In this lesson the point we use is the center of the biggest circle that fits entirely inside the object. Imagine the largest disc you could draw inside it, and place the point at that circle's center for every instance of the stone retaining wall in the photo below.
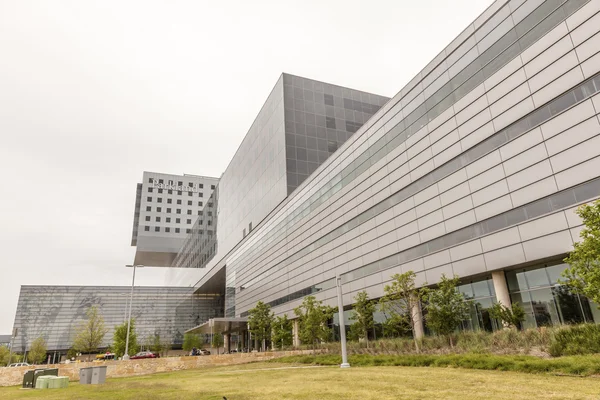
(14, 376)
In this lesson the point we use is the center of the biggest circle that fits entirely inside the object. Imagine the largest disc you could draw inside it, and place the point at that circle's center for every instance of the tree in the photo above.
(90, 334)
(260, 319)
(362, 314)
(510, 316)
(5, 354)
(583, 275)
(217, 341)
(120, 338)
(190, 341)
(282, 332)
(400, 304)
(313, 317)
(446, 307)
(37, 351)
(155, 345)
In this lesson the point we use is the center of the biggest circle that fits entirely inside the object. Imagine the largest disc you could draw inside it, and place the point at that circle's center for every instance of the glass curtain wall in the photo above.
(545, 300)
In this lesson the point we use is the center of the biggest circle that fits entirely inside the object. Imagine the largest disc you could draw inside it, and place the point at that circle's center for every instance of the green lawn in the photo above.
(267, 381)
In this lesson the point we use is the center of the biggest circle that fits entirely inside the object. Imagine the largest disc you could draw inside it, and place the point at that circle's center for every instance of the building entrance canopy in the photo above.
(221, 325)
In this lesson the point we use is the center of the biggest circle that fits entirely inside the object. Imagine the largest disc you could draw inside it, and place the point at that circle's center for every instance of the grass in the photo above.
(576, 365)
(270, 381)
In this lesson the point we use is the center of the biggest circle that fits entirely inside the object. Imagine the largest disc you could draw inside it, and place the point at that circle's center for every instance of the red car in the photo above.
(144, 354)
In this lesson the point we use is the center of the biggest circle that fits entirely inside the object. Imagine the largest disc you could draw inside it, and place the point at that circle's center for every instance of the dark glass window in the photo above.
(159, 199)
(179, 183)
(178, 201)
(330, 122)
(200, 194)
(149, 198)
(328, 99)
(189, 212)
(168, 211)
(170, 191)
(177, 220)
(169, 201)
(157, 229)
(188, 231)
(167, 229)
(150, 180)
(168, 219)
(201, 185)
(189, 202)
(147, 228)
(158, 209)
(157, 219)
(200, 203)
(178, 211)
(150, 190)
(177, 230)
(147, 218)
(189, 221)
(212, 187)
(148, 208)
(190, 193)
(179, 192)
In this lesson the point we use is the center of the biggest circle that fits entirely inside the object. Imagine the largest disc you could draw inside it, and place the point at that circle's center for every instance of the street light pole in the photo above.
(126, 355)
(345, 363)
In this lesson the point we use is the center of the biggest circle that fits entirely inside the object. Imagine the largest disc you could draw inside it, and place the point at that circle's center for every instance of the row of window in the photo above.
(176, 230)
(170, 191)
(170, 201)
(180, 183)
(189, 203)
(177, 220)
(177, 211)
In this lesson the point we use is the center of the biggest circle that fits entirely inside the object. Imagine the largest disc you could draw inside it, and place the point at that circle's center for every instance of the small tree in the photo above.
(313, 317)
(282, 332)
(446, 307)
(510, 316)
(260, 319)
(90, 334)
(155, 344)
(217, 341)
(190, 341)
(400, 304)
(120, 338)
(362, 315)
(583, 276)
(37, 351)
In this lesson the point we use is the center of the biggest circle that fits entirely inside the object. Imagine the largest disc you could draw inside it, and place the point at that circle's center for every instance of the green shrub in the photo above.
(575, 365)
(575, 339)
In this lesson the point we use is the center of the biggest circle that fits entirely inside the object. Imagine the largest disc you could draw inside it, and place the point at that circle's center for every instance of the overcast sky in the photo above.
(92, 93)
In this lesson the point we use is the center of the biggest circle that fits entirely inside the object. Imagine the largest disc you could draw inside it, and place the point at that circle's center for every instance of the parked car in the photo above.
(144, 354)
(21, 364)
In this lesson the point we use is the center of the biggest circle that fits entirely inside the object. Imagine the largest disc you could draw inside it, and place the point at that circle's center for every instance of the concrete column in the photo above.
(417, 317)
(501, 288)
(296, 333)
(244, 335)
(227, 342)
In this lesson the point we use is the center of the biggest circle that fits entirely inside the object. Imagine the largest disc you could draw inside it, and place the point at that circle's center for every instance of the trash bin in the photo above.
(42, 382)
(57, 382)
(28, 379)
(85, 375)
(98, 375)
(43, 372)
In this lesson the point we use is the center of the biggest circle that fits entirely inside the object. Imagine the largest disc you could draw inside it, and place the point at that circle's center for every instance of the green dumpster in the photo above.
(57, 382)
(43, 382)
(28, 380)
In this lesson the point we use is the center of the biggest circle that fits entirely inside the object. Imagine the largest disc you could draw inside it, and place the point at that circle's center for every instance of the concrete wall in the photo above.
(120, 369)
